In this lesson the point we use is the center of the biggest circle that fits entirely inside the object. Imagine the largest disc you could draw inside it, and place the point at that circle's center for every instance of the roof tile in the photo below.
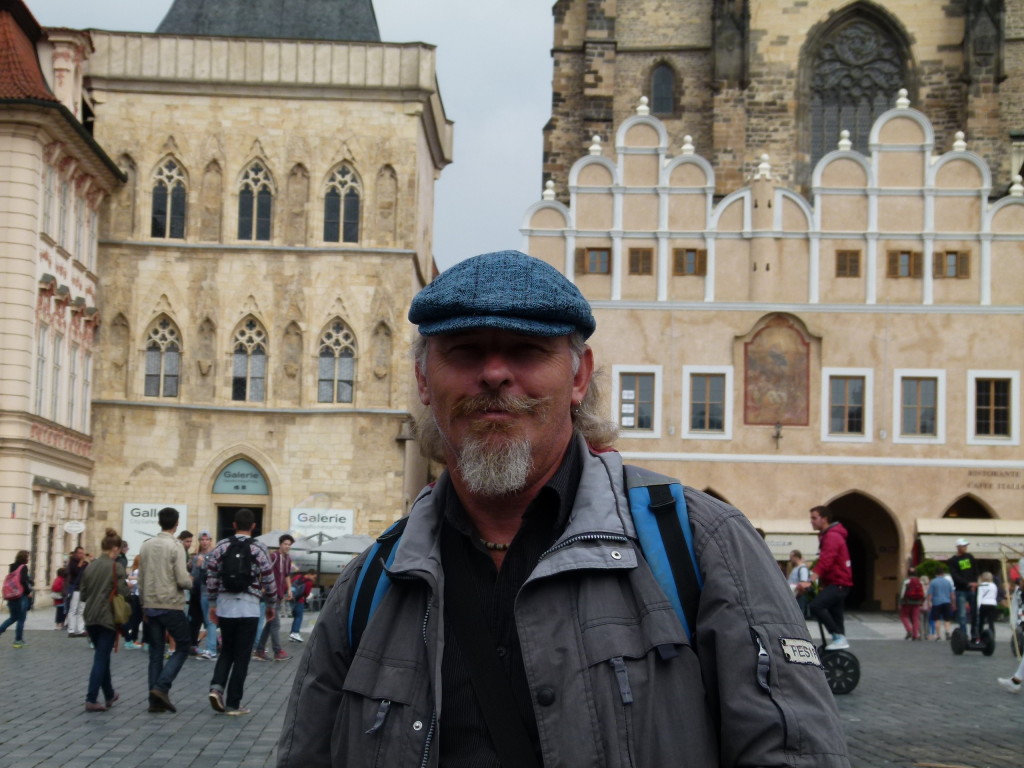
(20, 75)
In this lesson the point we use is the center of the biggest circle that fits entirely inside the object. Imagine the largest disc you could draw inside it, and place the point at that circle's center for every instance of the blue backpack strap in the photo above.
(373, 582)
(658, 507)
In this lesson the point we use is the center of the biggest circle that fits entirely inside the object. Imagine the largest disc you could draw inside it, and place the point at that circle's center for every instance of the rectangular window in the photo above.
(636, 401)
(72, 384)
(951, 264)
(919, 406)
(707, 402)
(55, 381)
(264, 209)
(593, 261)
(152, 384)
(641, 261)
(846, 405)
(86, 390)
(48, 178)
(689, 262)
(41, 347)
(79, 228)
(62, 216)
(847, 263)
(350, 232)
(94, 236)
(992, 407)
(904, 264)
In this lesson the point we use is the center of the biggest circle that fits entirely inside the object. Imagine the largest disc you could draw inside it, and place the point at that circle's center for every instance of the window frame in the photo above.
(56, 380)
(169, 178)
(894, 264)
(973, 438)
(961, 265)
(42, 346)
(340, 344)
(632, 432)
(658, 98)
(258, 341)
(843, 258)
(700, 262)
(827, 374)
(256, 191)
(641, 261)
(583, 260)
(939, 374)
(344, 188)
(688, 432)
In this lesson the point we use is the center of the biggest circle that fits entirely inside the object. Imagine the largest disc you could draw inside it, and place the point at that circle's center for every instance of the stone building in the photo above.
(859, 347)
(275, 223)
(54, 179)
(745, 78)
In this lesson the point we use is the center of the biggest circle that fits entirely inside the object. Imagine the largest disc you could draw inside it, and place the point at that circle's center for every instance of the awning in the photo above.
(784, 535)
(989, 539)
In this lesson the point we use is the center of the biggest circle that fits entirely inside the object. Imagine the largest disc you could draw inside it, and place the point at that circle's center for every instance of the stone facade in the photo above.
(857, 347)
(206, 128)
(745, 75)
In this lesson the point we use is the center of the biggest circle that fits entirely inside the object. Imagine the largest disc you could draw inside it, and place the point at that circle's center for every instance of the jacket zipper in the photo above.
(586, 537)
(433, 714)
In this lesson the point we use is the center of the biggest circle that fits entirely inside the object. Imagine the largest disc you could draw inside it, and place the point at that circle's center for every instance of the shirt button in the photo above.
(502, 651)
(545, 696)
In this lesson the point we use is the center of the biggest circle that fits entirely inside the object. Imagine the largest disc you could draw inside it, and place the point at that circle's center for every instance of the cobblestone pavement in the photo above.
(917, 705)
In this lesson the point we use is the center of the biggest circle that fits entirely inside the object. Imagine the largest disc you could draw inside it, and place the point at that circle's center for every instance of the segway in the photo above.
(959, 642)
(842, 668)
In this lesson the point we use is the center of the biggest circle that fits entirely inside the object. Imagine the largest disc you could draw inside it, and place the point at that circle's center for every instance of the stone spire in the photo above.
(340, 20)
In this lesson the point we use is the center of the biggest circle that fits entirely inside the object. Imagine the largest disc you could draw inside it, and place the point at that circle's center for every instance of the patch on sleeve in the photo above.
(799, 651)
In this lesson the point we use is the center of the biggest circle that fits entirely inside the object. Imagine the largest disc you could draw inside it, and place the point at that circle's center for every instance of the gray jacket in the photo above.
(592, 622)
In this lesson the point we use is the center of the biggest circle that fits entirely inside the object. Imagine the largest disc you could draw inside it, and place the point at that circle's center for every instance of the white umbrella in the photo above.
(272, 538)
(349, 544)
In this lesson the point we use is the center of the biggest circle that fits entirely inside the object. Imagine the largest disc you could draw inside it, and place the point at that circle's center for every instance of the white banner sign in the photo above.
(330, 522)
(141, 522)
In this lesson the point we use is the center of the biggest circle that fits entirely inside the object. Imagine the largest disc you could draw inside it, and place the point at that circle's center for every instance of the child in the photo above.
(58, 596)
(987, 598)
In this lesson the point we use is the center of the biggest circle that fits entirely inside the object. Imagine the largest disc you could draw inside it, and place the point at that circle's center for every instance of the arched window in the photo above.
(255, 204)
(663, 83)
(249, 363)
(163, 359)
(169, 204)
(337, 369)
(856, 70)
(341, 207)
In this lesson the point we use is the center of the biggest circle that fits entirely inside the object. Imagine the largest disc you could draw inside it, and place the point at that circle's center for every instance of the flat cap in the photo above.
(507, 290)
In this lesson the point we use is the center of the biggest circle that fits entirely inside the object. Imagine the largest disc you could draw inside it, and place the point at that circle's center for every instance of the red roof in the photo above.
(20, 75)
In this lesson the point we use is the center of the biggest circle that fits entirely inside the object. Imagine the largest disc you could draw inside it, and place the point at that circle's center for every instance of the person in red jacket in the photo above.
(834, 576)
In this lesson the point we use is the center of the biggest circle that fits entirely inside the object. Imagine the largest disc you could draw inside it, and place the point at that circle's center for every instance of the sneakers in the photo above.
(207, 656)
(1008, 684)
(112, 701)
(838, 643)
(260, 656)
(94, 706)
(161, 699)
(237, 711)
(281, 655)
(217, 700)
(20, 643)
(295, 637)
(130, 646)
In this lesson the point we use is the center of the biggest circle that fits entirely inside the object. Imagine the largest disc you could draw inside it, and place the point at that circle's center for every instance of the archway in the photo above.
(968, 507)
(874, 546)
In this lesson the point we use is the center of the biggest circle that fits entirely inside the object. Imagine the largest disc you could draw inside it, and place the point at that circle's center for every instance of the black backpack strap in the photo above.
(373, 582)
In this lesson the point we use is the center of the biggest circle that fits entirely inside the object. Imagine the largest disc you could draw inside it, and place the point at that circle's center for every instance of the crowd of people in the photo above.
(172, 603)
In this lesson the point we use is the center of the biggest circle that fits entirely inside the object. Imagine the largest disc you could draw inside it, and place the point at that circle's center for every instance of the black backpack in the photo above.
(236, 565)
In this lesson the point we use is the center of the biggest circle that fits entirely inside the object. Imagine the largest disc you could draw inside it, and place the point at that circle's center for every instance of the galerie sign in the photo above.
(331, 522)
(140, 522)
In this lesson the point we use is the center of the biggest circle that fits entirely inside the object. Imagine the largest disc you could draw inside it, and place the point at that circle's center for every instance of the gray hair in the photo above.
(598, 431)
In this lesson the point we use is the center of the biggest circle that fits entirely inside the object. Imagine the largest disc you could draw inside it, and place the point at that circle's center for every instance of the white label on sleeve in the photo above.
(799, 651)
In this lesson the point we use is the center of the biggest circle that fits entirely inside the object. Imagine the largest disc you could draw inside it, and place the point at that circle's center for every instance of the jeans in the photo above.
(259, 625)
(211, 628)
(19, 612)
(75, 622)
(827, 607)
(298, 608)
(236, 639)
(965, 597)
(59, 618)
(175, 624)
(135, 620)
(103, 640)
(272, 629)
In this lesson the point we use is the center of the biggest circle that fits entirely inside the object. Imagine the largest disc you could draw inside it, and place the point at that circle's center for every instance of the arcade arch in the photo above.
(874, 543)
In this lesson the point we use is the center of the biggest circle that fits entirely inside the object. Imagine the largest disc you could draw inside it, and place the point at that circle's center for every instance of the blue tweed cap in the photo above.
(507, 290)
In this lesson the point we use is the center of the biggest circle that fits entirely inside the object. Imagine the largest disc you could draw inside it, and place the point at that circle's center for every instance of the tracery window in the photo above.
(255, 204)
(336, 372)
(856, 74)
(342, 206)
(249, 363)
(163, 360)
(169, 202)
(663, 81)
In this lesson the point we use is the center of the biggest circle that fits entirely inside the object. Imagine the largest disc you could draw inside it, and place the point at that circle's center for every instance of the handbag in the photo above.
(119, 607)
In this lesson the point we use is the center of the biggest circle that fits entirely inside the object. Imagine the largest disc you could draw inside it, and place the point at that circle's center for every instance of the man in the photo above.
(237, 612)
(282, 566)
(529, 527)
(940, 598)
(834, 576)
(76, 567)
(163, 577)
(964, 571)
(799, 574)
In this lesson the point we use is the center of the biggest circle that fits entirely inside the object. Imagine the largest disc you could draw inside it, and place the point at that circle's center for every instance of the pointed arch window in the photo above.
(249, 363)
(163, 359)
(255, 204)
(663, 85)
(342, 206)
(856, 72)
(337, 365)
(169, 202)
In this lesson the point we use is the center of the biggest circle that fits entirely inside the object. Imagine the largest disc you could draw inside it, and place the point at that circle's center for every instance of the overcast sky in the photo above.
(494, 70)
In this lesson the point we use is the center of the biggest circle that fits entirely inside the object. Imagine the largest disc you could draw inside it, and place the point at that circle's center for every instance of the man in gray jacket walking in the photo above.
(522, 559)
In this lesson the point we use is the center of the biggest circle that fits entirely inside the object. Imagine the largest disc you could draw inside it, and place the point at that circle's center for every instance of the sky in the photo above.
(494, 71)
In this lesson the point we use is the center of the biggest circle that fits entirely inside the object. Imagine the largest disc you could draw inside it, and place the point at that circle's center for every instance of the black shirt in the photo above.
(464, 739)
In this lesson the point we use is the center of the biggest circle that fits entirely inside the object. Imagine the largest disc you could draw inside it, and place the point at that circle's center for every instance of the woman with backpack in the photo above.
(17, 591)
(911, 600)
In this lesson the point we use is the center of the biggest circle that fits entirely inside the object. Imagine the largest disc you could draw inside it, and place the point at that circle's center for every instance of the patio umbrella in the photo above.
(349, 544)
(271, 538)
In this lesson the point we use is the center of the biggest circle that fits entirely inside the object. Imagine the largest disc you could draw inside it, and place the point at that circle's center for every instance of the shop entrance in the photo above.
(873, 542)
(226, 519)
